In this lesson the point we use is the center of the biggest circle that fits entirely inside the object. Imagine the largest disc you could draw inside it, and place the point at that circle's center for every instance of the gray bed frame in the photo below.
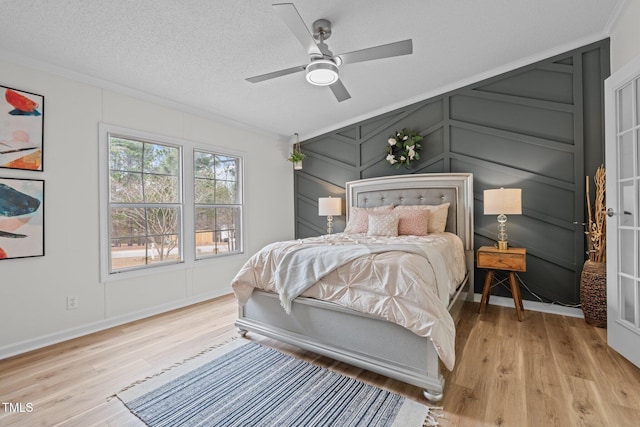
(360, 339)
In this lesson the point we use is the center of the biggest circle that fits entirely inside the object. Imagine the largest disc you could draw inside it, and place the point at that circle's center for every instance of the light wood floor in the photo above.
(545, 371)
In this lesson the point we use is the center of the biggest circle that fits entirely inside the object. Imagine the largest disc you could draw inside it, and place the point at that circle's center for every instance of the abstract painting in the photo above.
(21, 129)
(21, 218)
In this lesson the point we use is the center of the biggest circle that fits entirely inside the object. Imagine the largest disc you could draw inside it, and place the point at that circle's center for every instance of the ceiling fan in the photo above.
(323, 67)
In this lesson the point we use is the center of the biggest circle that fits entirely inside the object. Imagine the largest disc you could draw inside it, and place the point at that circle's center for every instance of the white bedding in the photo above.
(411, 289)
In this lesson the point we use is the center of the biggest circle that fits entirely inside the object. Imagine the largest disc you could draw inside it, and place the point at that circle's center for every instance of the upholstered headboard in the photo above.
(421, 189)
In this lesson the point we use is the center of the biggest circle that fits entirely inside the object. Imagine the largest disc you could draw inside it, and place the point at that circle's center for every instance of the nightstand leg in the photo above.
(486, 291)
(515, 277)
(515, 293)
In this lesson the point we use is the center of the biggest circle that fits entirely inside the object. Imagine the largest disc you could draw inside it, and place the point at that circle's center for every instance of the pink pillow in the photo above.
(359, 218)
(413, 222)
(437, 215)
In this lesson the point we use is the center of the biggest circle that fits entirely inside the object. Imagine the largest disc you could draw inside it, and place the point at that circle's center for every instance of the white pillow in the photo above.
(383, 225)
(437, 215)
(359, 218)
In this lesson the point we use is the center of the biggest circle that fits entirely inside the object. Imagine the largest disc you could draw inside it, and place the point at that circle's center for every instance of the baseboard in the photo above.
(534, 306)
(57, 337)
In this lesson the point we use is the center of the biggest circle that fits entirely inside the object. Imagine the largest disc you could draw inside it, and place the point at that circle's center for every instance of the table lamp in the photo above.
(500, 202)
(329, 206)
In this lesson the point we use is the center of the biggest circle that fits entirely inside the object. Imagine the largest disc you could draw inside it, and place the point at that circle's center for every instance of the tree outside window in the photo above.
(145, 203)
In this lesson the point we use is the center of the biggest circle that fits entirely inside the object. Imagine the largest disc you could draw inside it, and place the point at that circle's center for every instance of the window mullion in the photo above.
(188, 212)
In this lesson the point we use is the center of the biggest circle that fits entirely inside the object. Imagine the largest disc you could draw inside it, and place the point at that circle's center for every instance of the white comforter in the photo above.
(410, 288)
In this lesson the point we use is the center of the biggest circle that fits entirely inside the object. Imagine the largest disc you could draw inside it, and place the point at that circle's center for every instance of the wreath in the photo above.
(403, 148)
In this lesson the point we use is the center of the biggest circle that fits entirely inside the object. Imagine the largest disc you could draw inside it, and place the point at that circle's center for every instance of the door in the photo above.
(622, 109)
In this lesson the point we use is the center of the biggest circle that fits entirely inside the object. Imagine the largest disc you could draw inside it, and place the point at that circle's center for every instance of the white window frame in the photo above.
(187, 227)
(238, 204)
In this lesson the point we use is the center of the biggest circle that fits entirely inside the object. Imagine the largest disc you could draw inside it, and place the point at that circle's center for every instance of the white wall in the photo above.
(625, 36)
(33, 291)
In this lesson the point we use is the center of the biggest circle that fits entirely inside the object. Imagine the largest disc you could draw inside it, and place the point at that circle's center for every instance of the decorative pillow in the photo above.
(413, 222)
(383, 225)
(359, 218)
(437, 215)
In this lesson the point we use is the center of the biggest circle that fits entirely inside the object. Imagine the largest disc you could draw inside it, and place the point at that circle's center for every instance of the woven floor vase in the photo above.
(593, 293)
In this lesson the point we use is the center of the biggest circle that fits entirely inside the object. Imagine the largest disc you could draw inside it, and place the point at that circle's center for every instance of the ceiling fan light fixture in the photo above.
(322, 72)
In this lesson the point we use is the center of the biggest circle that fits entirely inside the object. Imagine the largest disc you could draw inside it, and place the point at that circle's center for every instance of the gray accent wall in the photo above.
(539, 128)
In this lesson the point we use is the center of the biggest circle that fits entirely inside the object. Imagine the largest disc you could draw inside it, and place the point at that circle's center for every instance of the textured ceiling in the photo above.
(197, 53)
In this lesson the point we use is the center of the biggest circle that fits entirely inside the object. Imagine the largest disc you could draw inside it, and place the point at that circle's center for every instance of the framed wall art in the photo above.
(21, 218)
(21, 129)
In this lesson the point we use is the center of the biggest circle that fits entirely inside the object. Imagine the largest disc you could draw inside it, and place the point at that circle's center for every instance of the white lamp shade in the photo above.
(503, 201)
(329, 206)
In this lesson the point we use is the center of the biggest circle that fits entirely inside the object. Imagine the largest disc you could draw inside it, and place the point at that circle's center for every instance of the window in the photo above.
(217, 203)
(156, 211)
(145, 203)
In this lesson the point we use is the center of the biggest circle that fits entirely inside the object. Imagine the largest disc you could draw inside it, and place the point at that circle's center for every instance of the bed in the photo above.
(375, 340)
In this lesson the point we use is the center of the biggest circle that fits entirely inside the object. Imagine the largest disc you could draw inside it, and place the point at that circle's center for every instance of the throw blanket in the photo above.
(407, 280)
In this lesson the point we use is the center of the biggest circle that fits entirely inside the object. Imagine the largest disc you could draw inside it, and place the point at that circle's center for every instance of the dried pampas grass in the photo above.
(596, 226)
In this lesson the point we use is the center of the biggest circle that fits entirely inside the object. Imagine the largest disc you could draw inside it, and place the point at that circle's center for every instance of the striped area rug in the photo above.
(246, 384)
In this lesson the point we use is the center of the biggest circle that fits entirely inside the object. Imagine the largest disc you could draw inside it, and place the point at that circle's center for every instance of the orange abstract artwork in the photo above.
(21, 129)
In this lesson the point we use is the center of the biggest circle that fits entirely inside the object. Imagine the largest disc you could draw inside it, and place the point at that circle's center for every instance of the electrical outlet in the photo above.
(72, 303)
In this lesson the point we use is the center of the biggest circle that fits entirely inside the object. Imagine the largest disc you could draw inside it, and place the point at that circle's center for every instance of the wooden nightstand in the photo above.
(511, 260)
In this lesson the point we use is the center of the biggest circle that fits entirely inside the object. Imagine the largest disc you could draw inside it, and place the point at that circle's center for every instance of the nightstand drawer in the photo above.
(511, 260)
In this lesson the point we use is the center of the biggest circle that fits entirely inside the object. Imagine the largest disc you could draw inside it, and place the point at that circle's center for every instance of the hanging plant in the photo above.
(403, 148)
(296, 156)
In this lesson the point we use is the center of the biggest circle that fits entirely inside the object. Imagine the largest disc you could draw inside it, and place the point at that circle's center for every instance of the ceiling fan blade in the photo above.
(289, 14)
(404, 47)
(339, 91)
(275, 74)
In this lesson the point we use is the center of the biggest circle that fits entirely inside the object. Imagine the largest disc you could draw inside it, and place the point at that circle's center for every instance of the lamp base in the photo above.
(503, 245)
(329, 224)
